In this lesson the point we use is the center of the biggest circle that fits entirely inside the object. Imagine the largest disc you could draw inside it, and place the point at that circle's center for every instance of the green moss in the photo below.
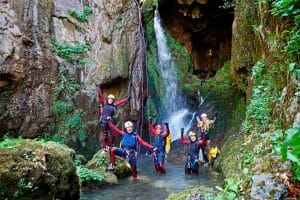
(205, 192)
(83, 16)
(68, 51)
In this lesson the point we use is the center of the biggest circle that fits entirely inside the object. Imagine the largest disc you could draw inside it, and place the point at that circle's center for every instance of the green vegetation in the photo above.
(68, 51)
(84, 15)
(9, 142)
(287, 144)
(258, 110)
(68, 122)
(88, 175)
(230, 191)
(23, 187)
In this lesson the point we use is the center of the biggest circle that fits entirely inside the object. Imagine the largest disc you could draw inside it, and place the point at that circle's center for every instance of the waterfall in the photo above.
(174, 107)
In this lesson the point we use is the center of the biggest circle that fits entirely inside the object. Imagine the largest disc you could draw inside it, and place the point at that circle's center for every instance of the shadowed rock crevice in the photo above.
(204, 29)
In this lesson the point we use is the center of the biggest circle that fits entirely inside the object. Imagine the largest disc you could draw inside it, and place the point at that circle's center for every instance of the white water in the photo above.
(174, 107)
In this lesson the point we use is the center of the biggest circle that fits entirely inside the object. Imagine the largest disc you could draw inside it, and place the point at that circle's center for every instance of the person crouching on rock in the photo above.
(129, 143)
(107, 109)
(159, 143)
(192, 165)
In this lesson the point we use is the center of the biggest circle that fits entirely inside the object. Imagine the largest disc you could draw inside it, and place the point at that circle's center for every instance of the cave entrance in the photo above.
(204, 28)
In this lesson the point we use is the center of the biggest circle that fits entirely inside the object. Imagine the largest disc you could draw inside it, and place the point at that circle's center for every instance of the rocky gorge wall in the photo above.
(39, 37)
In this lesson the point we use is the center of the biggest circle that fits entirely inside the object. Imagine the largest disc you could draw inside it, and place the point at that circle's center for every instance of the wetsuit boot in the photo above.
(134, 171)
(162, 168)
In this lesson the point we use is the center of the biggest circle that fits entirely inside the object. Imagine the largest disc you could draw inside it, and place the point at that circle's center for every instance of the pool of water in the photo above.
(151, 185)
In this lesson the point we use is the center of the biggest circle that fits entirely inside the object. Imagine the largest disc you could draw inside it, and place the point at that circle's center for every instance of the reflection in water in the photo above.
(151, 185)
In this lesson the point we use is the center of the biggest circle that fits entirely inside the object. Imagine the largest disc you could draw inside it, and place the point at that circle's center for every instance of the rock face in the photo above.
(264, 187)
(37, 170)
(28, 65)
(204, 29)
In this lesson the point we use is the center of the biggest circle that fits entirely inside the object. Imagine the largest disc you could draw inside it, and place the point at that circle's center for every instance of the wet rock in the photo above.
(38, 170)
(265, 187)
(198, 193)
(100, 161)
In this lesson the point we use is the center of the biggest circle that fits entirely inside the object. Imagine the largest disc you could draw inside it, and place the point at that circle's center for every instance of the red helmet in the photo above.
(158, 127)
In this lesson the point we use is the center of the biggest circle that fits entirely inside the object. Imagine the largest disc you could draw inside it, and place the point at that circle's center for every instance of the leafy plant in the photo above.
(258, 111)
(67, 51)
(22, 188)
(68, 120)
(287, 144)
(87, 175)
(83, 16)
(230, 191)
(9, 142)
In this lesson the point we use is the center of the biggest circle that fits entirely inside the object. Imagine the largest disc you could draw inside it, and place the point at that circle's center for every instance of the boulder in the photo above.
(37, 170)
(265, 187)
(100, 162)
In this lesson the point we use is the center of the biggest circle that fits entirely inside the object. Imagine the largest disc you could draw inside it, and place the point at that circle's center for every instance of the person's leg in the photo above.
(132, 162)
(112, 156)
(133, 171)
(103, 135)
(187, 168)
(161, 158)
(195, 169)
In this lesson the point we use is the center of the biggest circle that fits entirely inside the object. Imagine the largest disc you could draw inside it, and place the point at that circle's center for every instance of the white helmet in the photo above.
(203, 115)
(128, 124)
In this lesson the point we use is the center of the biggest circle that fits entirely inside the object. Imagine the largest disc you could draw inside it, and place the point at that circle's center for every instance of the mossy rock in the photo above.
(100, 162)
(201, 192)
(38, 170)
(95, 178)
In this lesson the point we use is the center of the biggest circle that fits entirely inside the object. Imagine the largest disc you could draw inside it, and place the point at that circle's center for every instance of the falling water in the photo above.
(174, 108)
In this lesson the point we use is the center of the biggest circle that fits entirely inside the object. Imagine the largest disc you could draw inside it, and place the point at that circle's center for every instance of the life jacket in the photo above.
(213, 153)
(108, 110)
(160, 143)
(194, 148)
(168, 143)
(129, 141)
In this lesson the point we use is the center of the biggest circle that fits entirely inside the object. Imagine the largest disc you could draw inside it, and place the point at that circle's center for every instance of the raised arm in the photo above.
(183, 141)
(152, 129)
(114, 128)
(122, 101)
(143, 143)
(100, 94)
(167, 132)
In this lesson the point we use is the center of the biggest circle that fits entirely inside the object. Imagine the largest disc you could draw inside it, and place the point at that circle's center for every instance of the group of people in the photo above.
(130, 139)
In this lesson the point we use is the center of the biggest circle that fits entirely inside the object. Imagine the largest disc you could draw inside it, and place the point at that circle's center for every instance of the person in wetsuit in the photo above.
(129, 143)
(107, 108)
(159, 143)
(192, 165)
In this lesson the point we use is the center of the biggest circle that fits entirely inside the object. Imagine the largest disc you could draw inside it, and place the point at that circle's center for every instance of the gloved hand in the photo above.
(215, 114)
(150, 119)
(166, 124)
(97, 85)
(129, 97)
(108, 118)
(182, 130)
(154, 149)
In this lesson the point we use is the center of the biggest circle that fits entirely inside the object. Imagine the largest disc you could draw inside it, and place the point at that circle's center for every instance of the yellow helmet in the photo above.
(192, 133)
(111, 96)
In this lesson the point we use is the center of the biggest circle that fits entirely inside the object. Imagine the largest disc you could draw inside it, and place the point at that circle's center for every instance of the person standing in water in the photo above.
(160, 144)
(107, 109)
(192, 165)
(203, 126)
(129, 143)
